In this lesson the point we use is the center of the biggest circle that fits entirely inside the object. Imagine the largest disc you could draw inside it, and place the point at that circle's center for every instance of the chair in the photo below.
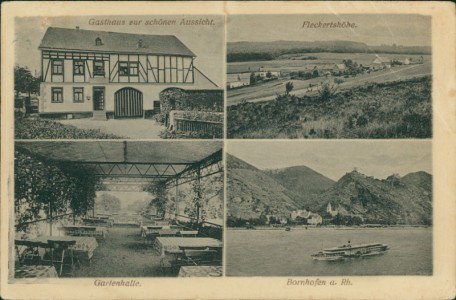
(58, 250)
(195, 257)
(30, 253)
(151, 236)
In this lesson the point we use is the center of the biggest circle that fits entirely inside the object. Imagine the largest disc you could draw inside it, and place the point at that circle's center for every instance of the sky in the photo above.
(372, 29)
(205, 41)
(335, 158)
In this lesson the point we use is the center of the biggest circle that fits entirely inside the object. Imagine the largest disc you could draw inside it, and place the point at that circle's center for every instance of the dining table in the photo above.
(200, 271)
(83, 248)
(174, 244)
(35, 271)
(85, 230)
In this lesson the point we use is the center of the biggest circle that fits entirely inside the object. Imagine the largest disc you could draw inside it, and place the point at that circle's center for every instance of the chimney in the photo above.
(77, 27)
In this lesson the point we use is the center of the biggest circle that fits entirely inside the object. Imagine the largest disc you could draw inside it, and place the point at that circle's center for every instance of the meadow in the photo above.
(293, 63)
(398, 109)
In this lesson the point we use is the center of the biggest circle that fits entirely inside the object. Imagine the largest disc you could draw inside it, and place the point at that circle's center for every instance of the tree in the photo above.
(252, 78)
(108, 203)
(327, 91)
(24, 81)
(161, 197)
(288, 87)
(43, 189)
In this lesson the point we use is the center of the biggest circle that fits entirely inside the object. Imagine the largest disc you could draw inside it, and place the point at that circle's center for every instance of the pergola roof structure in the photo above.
(132, 163)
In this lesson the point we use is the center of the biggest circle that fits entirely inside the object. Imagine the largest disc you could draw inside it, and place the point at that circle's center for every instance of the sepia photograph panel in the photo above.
(329, 76)
(329, 208)
(117, 209)
(119, 77)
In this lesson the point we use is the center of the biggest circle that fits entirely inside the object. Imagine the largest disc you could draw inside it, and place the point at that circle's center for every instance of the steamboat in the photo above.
(351, 251)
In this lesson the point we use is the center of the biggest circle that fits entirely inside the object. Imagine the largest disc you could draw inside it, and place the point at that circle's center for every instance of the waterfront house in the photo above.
(302, 213)
(331, 211)
(100, 74)
(314, 219)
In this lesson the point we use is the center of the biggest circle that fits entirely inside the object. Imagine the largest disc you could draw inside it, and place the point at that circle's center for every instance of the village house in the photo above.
(381, 63)
(89, 73)
(302, 213)
(264, 73)
(331, 211)
(339, 69)
(237, 80)
(314, 219)
(311, 218)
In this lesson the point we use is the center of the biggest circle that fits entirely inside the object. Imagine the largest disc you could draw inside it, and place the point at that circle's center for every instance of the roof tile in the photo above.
(84, 40)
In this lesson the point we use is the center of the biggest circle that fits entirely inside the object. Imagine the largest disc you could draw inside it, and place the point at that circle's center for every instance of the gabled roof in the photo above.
(340, 66)
(238, 77)
(84, 40)
(379, 60)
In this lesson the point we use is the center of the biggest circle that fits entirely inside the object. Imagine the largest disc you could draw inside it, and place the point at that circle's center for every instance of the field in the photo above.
(397, 109)
(293, 63)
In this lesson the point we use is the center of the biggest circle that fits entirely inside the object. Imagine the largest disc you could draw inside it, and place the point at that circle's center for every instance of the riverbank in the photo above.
(306, 227)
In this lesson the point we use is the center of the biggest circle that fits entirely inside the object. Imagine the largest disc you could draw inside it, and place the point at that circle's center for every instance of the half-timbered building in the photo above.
(99, 73)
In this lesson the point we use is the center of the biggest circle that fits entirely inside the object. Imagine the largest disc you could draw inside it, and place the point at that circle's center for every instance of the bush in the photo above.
(177, 99)
(400, 109)
(36, 128)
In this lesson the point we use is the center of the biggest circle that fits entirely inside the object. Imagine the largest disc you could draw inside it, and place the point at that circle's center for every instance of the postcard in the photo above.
(228, 150)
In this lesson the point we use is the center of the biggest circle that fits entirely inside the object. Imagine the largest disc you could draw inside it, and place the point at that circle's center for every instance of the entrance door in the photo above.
(98, 98)
(128, 102)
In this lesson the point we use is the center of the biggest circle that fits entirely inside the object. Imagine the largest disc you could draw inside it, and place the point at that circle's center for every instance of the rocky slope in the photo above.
(251, 192)
(394, 200)
(303, 181)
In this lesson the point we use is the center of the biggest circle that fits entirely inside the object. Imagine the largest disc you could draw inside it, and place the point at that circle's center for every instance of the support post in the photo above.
(50, 218)
(198, 174)
(176, 210)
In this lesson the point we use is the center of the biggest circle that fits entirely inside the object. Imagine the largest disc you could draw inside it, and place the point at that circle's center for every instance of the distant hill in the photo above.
(419, 179)
(303, 181)
(253, 192)
(245, 51)
(393, 200)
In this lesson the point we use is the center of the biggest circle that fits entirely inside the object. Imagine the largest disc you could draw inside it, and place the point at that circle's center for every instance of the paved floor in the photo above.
(127, 128)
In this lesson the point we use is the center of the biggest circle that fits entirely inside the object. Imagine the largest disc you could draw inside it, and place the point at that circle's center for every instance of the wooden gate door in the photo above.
(128, 103)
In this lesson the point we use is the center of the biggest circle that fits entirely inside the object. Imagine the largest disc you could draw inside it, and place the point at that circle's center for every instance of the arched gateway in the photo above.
(128, 103)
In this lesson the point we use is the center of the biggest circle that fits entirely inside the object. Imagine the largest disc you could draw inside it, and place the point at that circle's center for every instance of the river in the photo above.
(287, 253)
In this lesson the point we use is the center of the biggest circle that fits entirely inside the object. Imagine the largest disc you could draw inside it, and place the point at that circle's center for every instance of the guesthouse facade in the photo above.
(112, 74)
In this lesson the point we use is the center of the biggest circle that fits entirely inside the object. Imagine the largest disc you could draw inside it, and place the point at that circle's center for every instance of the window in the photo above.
(57, 95)
(57, 67)
(98, 42)
(78, 94)
(78, 67)
(133, 69)
(175, 69)
(98, 68)
(123, 68)
(128, 68)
